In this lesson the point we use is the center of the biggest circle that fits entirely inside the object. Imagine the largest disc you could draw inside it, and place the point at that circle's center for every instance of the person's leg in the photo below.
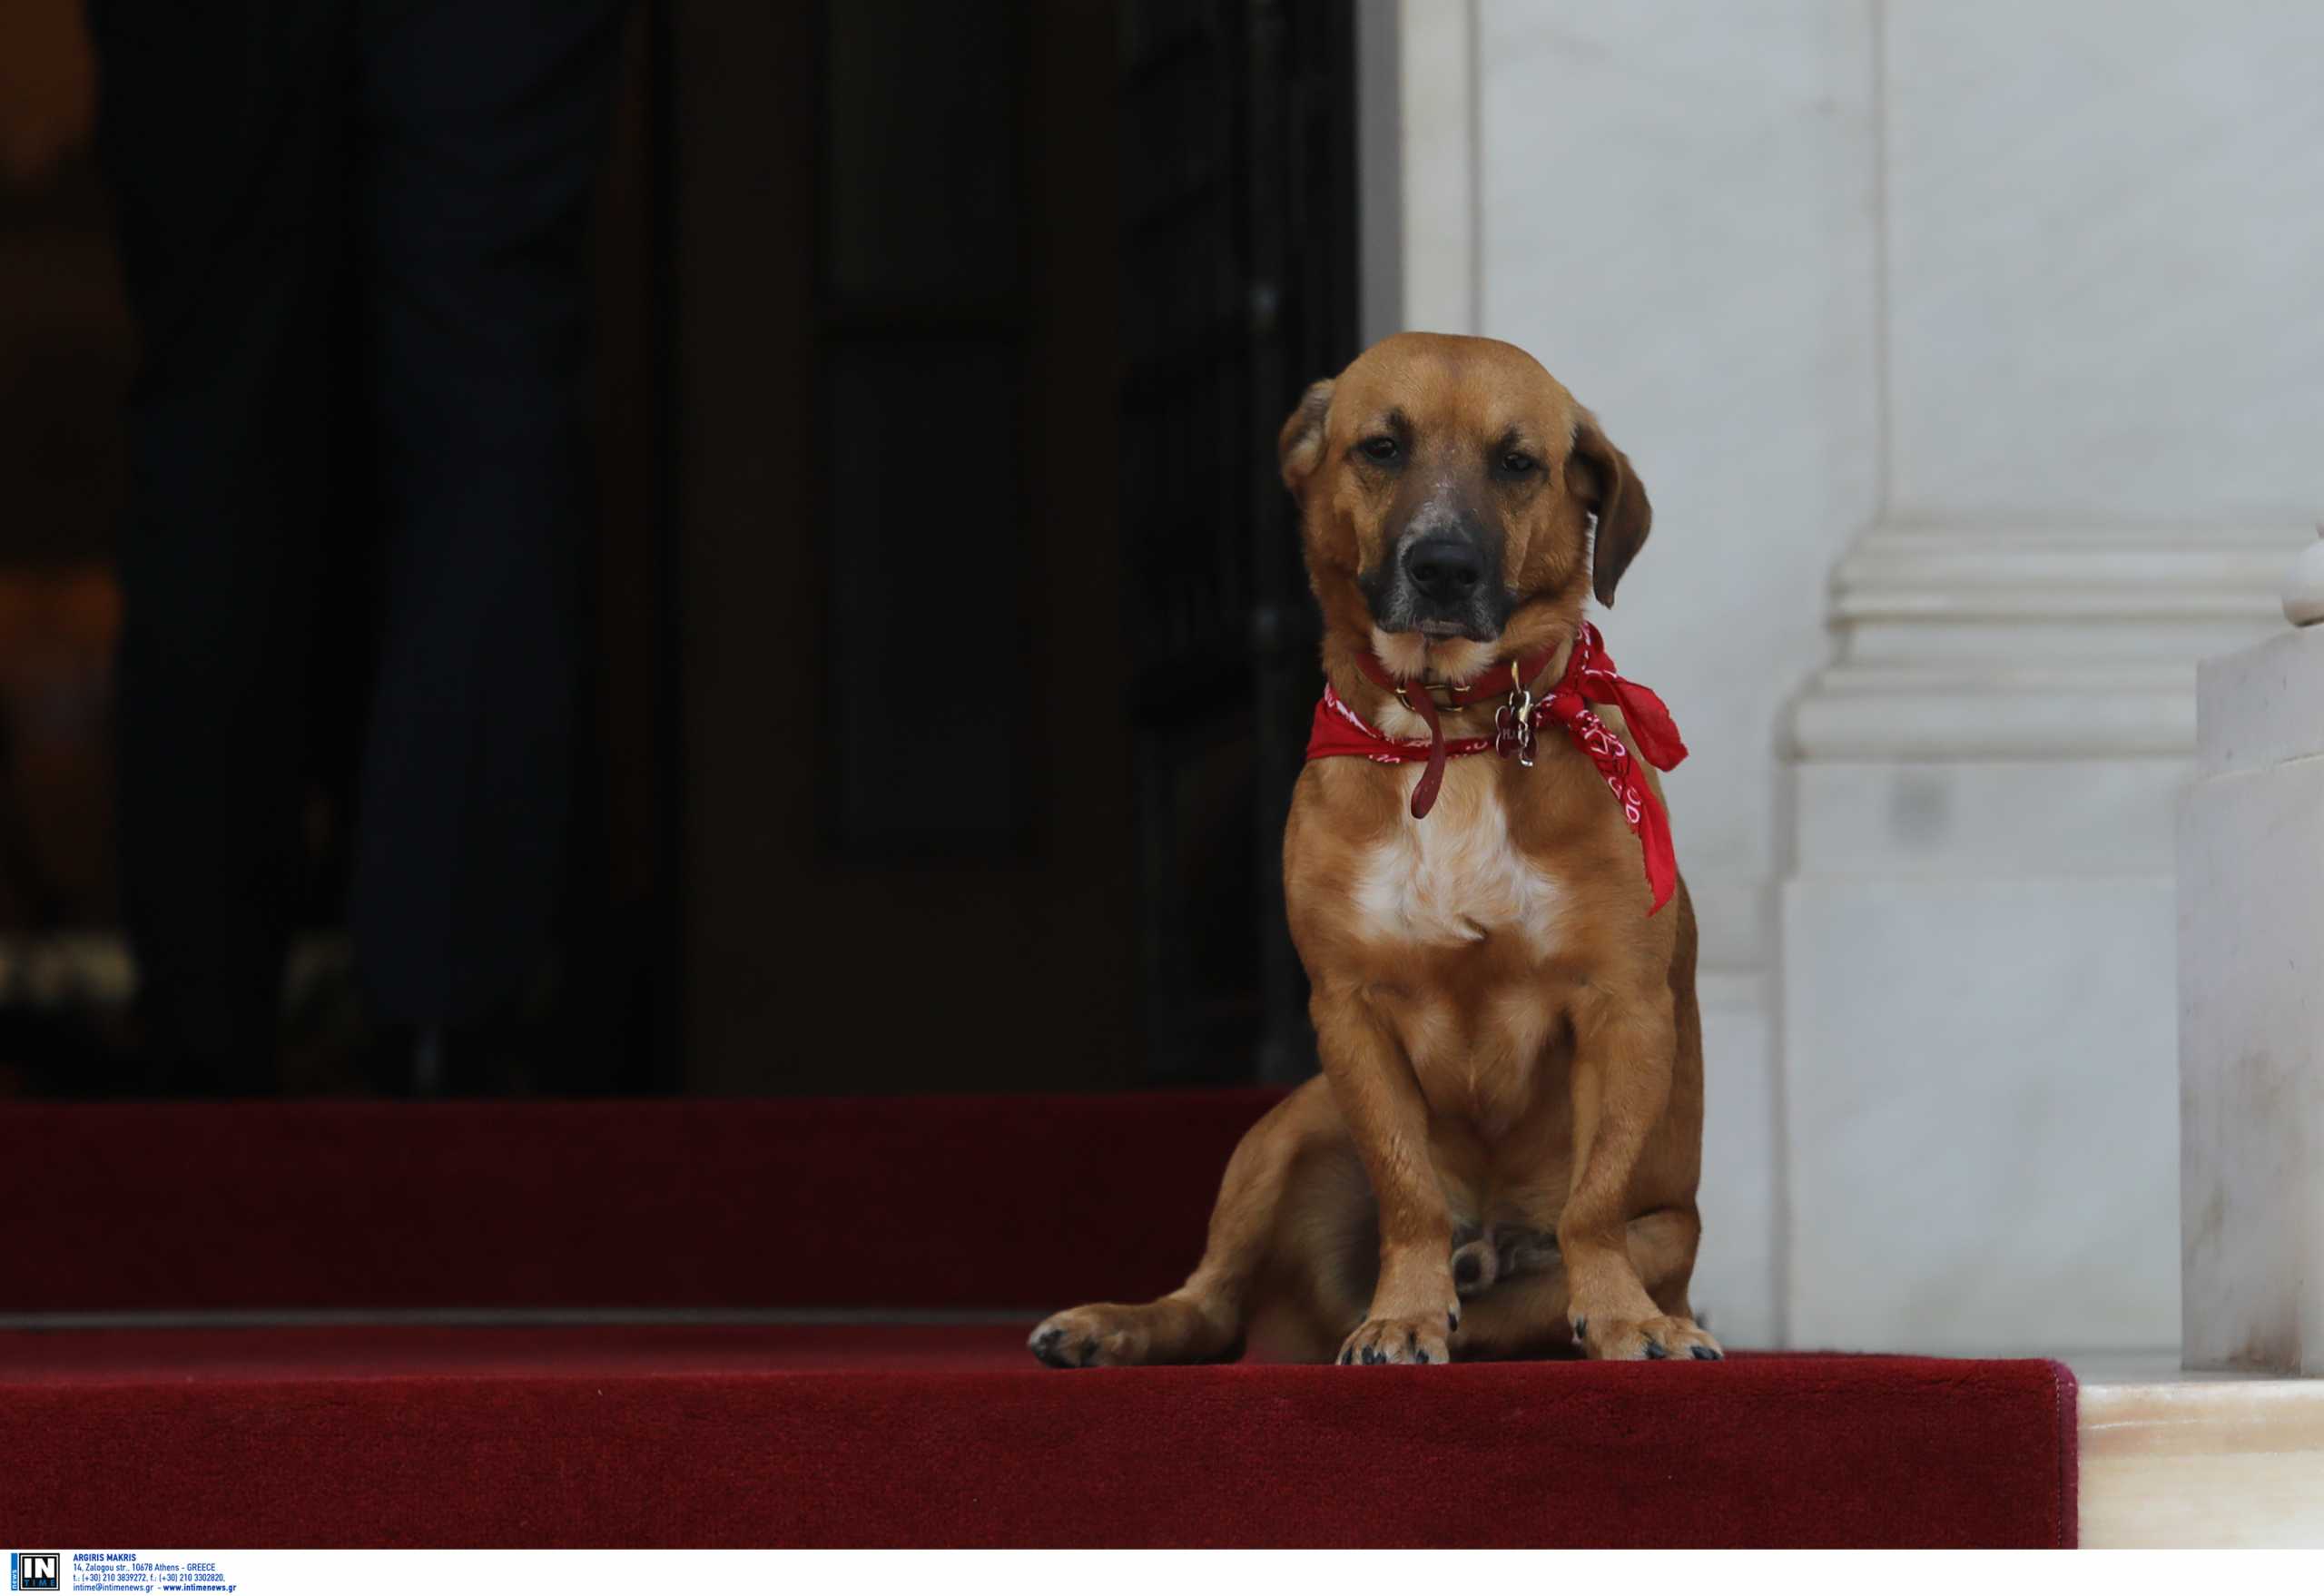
(484, 125)
(219, 131)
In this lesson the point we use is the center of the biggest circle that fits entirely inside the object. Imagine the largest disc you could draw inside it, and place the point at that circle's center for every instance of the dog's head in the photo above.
(1447, 487)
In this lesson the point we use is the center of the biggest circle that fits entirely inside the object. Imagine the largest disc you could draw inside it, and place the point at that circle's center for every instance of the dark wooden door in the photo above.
(905, 768)
(994, 650)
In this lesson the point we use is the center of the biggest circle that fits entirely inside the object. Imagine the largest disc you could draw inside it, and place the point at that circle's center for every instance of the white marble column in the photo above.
(2101, 317)
(2251, 1002)
(1977, 934)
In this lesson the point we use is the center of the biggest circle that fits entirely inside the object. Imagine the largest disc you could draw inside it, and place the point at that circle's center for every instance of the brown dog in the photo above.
(1500, 1155)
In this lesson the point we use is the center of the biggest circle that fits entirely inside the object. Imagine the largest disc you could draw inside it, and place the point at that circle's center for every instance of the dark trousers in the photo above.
(354, 234)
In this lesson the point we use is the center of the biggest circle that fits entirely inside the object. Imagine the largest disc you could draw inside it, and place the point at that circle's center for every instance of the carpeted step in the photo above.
(403, 1432)
(925, 1203)
(813, 1435)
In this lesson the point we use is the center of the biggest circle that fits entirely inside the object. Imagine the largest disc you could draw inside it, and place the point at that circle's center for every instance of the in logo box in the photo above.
(33, 1570)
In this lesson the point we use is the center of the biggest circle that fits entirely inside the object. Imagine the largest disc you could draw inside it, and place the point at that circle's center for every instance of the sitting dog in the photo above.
(1500, 1155)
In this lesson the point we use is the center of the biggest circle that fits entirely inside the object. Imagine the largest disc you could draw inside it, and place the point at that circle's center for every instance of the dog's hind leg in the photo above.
(1527, 1312)
(1205, 1320)
(1484, 1257)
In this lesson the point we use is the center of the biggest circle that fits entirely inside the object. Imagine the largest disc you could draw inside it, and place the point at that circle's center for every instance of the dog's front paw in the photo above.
(1637, 1340)
(1400, 1341)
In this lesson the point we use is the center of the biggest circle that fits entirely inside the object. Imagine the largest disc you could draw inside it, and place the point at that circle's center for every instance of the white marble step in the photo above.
(2175, 1459)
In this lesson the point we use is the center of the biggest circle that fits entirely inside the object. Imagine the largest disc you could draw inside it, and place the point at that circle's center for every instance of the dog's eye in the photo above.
(1379, 451)
(1518, 464)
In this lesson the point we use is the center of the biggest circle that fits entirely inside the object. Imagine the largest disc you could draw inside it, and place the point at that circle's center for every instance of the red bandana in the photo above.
(1590, 678)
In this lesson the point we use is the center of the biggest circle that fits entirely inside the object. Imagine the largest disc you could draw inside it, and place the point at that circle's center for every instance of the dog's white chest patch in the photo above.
(1456, 876)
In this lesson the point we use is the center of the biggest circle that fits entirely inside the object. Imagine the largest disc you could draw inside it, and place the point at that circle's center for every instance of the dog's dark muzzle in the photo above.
(1441, 580)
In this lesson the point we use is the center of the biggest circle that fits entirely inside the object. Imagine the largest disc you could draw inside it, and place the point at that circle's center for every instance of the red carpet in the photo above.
(902, 1203)
(890, 1434)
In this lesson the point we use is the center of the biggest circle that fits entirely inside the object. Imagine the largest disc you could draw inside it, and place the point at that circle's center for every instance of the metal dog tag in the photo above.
(1513, 728)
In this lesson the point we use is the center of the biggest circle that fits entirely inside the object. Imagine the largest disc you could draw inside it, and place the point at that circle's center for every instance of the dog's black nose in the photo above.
(1446, 570)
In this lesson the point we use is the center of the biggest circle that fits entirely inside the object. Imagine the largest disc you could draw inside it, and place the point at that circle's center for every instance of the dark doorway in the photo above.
(1238, 216)
(996, 649)
(952, 653)
(599, 1019)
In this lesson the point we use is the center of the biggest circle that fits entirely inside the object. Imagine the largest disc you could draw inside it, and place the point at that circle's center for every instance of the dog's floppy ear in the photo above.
(1604, 482)
(1302, 442)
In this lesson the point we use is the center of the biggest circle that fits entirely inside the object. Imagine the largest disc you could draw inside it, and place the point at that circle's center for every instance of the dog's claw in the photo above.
(1655, 1340)
(1401, 1339)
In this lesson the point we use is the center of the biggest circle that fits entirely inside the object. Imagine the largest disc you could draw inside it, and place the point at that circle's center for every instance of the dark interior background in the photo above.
(955, 655)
